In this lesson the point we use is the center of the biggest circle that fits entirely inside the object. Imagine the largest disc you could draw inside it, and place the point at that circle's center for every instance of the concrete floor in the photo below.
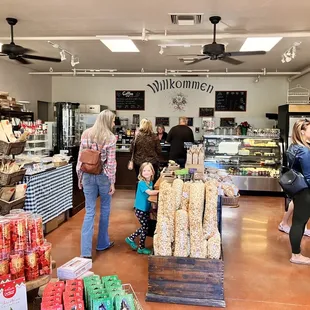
(258, 274)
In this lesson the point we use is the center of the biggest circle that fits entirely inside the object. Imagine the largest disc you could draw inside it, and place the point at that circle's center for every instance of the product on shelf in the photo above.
(18, 232)
(35, 231)
(214, 246)
(185, 196)
(74, 268)
(177, 185)
(45, 259)
(195, 155)
(5, 236)
(182, 237)
(31, 265)
(17, 268)
(4, 264)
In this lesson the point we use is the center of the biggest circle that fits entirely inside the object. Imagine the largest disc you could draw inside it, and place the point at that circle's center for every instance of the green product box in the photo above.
(116, 283)
(107, 279)
(115, 294)
(91, 278)
(102, 304)
(91, 287)
(125, 302)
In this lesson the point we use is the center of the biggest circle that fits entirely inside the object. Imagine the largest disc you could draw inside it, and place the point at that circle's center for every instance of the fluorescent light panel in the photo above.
(260, 44)
(120, 45)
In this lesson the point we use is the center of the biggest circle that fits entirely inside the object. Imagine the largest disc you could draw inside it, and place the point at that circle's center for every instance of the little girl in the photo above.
(142, 207)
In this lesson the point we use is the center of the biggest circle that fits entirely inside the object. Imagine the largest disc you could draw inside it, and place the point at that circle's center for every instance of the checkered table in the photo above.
(50, 193)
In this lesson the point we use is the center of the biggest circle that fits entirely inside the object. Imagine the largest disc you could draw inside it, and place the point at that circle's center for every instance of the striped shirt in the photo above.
(107, 155)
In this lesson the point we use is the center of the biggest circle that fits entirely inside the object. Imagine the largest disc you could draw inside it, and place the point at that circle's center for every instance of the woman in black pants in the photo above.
(299, 155)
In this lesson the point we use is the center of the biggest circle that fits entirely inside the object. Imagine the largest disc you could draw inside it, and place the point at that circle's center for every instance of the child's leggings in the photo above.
(143, 218)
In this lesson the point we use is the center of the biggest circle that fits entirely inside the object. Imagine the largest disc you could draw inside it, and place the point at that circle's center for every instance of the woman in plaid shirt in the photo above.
(98, 137)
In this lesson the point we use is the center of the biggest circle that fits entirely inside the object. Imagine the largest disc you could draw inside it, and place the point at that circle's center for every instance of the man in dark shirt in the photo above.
(176, 137)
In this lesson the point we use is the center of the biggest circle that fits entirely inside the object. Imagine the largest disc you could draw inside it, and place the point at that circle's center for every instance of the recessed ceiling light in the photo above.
(120, 45)
(260, 44)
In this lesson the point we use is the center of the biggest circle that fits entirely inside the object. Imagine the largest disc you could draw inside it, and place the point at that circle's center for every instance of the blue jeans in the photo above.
(92, 186)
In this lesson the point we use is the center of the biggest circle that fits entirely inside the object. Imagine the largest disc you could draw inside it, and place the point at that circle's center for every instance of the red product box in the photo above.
(51, 299)
(74, 289)
(77, 305)
(59, 284)
(52, 290)
(51, 307)
(71, 295)
(73, 300)
(76, 282)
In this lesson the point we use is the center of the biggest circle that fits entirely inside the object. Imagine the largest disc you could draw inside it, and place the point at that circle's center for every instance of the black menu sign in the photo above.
(130, 99)
(162, 121)
(230, 101)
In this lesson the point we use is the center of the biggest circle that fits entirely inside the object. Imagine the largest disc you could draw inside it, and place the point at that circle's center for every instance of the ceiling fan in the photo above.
(215, 51)
(18, 52)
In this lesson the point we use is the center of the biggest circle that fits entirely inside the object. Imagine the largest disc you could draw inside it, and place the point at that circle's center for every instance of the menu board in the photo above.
(230, 101)
(162, 121)
(206, 112)
(130, 100)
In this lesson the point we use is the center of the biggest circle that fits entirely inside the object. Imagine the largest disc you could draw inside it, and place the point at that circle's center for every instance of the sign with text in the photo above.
(129, 100)
(166, 84)
(230, 101)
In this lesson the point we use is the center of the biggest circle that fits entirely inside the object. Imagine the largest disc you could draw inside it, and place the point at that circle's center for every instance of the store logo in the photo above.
(165, 84)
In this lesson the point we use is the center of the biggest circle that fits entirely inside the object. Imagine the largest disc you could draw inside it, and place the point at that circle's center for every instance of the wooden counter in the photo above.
(125, 179)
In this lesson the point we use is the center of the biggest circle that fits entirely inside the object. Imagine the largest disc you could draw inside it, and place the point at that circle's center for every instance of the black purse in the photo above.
(291, 181)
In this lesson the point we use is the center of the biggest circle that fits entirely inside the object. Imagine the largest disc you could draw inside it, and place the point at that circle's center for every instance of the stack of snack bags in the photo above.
(106, 293)
(23, 250)
(53, 296)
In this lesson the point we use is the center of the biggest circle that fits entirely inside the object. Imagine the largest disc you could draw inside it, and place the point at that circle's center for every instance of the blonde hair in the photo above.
(183, 120)
(146, 126)
(297, 136)
(140, 176)
(102, 129)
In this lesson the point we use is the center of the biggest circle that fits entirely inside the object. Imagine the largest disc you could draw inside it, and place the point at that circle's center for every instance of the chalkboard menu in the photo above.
(206, 112)
(230, 101)
(130, 99)
(162, 121)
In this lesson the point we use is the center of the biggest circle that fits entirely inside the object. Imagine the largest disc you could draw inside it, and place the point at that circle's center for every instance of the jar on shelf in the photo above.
(17, 267)
(18, 232)
(17, 211)
(31, 265)
(35, 231)
(45, 258)
(5, 236)
(4, 264)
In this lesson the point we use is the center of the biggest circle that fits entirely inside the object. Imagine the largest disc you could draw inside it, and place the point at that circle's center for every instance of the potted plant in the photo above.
(244, 126)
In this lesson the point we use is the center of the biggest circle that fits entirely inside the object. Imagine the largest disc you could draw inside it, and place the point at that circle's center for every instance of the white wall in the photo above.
(304, 81)
(262, 97)
(15, 79)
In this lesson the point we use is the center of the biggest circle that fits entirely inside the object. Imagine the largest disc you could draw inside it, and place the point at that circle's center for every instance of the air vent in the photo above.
(186, 19)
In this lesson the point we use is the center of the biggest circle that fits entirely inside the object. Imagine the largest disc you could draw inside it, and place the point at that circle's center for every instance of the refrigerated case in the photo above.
(288, 114)
(253, 162)
(68, 136)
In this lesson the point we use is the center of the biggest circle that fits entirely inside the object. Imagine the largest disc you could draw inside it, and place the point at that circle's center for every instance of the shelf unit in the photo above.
(255, 172)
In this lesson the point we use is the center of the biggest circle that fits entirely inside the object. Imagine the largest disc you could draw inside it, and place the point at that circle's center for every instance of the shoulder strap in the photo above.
(291, 166)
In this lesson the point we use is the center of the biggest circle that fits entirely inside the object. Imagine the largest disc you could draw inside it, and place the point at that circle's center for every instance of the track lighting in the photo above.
(62, 55)
(290, 54)
(74, 60)
(161, 51)
(257, 79)
(51, 69)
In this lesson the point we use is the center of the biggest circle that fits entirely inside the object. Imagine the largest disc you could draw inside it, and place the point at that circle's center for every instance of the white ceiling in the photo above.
(98, 17)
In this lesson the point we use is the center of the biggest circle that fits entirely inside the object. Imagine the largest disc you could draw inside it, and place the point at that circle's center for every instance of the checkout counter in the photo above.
(126, 179)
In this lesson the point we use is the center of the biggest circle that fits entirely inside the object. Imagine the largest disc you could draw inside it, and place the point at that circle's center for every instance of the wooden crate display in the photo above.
(186, 280)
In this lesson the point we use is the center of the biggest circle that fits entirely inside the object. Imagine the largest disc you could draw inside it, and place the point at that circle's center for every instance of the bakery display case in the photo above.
(253, 162)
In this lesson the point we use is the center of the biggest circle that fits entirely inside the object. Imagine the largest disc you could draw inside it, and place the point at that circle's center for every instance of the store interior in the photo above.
(241, 109)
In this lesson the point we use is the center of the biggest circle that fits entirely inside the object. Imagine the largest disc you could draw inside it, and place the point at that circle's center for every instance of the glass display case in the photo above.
(252, 161)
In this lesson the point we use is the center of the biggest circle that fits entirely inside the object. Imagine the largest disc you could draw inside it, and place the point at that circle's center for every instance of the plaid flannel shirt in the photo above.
(108, 157)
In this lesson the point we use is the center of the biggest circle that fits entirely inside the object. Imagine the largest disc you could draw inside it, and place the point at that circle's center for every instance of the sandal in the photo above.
(285, 229)
(111, 245)
(131, 243)
(144, 251)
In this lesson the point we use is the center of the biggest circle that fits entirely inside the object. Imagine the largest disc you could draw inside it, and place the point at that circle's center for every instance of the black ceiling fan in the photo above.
(19, 53)
(215, 51)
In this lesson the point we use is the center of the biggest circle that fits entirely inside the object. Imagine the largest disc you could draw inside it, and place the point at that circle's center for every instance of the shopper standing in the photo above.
(145, 147)
(299, 158)
(142, 207)
(176, 137)
(99, 137)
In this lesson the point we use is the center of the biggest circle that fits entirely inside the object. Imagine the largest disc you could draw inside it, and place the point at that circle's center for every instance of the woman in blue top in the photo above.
(299, 156)
(142, 207)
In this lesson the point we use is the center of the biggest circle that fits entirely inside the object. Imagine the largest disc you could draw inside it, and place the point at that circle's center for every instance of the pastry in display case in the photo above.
(253, 162)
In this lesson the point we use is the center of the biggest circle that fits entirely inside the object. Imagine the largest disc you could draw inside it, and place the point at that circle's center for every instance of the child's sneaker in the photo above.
(131, 243)
(144, 251)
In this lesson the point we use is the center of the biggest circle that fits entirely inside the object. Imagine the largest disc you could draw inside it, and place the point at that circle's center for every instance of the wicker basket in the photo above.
(6, 207)
(12, 148)
(231, 201)
(11, 178)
